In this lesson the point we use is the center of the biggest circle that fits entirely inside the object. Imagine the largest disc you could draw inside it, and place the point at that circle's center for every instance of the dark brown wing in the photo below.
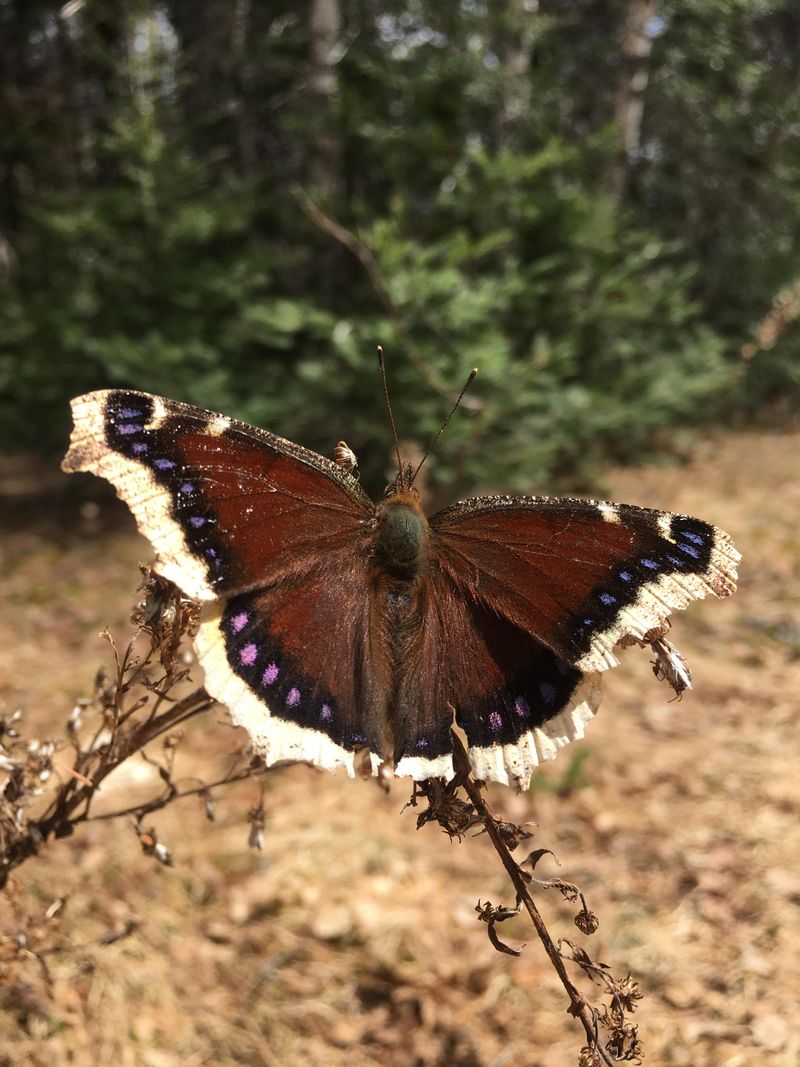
(227, 507)
(274, 536)
(303, 665)
(516, 700)
(580, 575)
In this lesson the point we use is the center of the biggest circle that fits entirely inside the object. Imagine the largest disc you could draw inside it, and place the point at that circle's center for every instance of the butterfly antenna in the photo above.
(472, 376)
(382, 366)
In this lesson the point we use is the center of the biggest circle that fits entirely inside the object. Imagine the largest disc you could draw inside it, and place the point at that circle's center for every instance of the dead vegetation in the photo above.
(348, 938)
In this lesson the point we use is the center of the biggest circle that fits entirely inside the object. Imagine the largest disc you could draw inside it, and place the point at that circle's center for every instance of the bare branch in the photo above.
(140, 704)
(365, 256)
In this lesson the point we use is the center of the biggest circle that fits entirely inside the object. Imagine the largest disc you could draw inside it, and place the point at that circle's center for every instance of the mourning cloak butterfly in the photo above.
(333, 625)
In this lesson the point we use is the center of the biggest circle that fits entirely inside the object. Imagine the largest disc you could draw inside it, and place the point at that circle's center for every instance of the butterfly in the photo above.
(349, 634)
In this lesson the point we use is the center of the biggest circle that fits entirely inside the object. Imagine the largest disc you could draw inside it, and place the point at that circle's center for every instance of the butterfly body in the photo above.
(335, 628)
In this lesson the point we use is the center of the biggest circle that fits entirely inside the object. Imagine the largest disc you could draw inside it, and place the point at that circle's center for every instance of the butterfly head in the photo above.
(403, 482)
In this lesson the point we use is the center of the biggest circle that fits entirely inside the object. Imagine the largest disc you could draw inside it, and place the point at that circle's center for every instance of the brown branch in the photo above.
(63, 814)
(370, 264)
(785, 310)
(172, 793)
(578, 1005)
(130, 709)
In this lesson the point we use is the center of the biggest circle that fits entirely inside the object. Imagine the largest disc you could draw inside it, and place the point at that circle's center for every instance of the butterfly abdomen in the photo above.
(402, 537)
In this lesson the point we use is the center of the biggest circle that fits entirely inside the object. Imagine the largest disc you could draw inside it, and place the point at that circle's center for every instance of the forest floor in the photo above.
(352, 939)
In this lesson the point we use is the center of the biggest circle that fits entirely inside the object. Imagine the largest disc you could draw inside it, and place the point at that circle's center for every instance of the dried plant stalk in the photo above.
(611, 1037)
(143, 700)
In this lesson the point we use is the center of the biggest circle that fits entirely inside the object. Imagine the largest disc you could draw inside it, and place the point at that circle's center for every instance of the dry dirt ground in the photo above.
(352, 938)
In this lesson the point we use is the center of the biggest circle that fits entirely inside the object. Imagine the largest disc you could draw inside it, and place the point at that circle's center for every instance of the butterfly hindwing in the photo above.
(299, 666)
(514, 698)
(580, 575)
(225, 505)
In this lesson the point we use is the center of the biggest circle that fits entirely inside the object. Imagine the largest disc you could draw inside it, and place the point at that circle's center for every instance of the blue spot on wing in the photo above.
(548, 691)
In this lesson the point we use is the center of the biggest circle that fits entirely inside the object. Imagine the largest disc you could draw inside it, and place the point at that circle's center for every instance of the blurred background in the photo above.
(230, 202)
(595, 203)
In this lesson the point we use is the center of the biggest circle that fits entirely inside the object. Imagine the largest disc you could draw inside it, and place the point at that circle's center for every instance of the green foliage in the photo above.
(150, 238)
(584, 329)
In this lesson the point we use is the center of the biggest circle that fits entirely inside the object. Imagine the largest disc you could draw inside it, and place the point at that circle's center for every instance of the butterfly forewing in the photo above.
(580, 575)
(227, 507)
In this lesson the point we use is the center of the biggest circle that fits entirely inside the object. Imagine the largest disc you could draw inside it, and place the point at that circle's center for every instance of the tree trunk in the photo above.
(636, 45)
(242, 74)
(514, 45)
(324, 171)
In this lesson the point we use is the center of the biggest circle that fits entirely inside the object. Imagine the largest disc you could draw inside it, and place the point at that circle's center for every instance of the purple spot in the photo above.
(359, 739)
(128, 413)
(650, 564)
(607, 598)
(325, 712)
(197, 521)
(548, 691)
(163, 464)
(626, 576)
(521, 707)
(422, 743)
(689, 551)
(292, 698)
(676, 562)
(238, 622)
(697, 539)
(211, 552)
(140, 447)
(270, 674)
(588, 622)
(187, 487)
(248, 655)
(128, 428)
(495, 721)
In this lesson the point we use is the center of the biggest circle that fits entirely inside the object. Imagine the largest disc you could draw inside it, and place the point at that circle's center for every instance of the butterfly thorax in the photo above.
(401, 536)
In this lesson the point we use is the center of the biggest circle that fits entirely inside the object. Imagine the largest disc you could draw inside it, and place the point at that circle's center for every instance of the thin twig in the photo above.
(367, 259)
(171, 794)
(63, 814)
